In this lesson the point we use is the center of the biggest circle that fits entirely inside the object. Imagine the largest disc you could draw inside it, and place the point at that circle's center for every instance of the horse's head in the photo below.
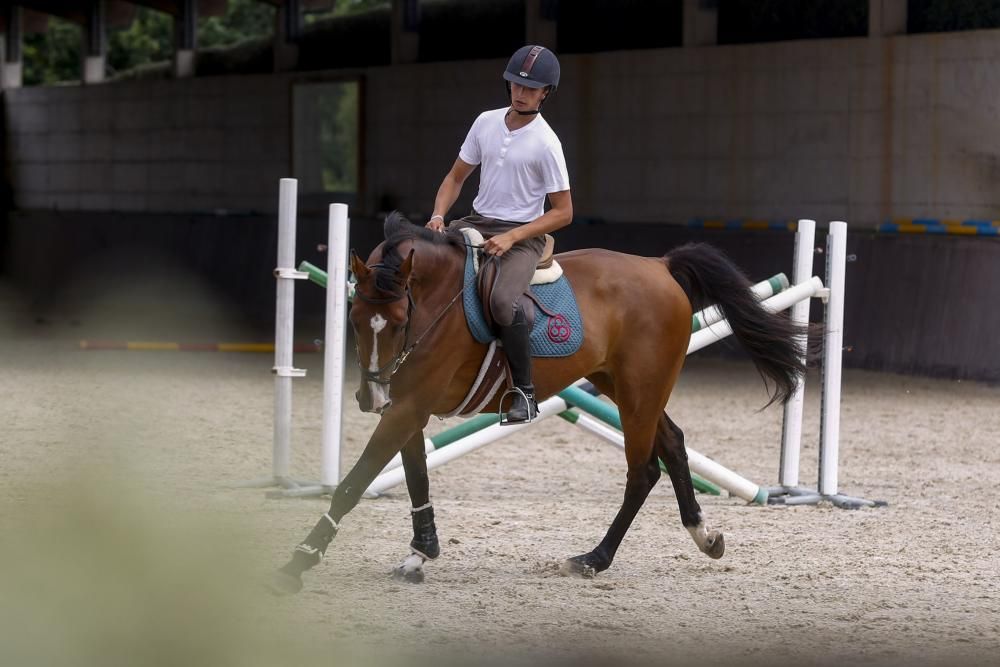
(384, 303)
(380, 316)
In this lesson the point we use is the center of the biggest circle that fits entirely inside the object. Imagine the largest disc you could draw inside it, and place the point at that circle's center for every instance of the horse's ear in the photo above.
(406, 268)
(358, 267)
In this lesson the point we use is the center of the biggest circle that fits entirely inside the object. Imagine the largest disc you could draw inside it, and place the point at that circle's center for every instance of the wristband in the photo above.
(438, 216)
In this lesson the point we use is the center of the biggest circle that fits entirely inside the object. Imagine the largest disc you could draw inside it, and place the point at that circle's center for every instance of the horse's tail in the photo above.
(707, 276)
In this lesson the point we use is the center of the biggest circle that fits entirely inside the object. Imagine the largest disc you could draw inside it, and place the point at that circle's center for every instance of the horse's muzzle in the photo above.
(367, 403)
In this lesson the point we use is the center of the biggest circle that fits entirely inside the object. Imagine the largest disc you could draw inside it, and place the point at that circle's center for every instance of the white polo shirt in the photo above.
(518, 168)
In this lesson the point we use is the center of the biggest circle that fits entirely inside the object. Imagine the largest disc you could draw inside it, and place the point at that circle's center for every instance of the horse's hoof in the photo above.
(281, 583)
(577, 566)
(715, 545)
(409, 576)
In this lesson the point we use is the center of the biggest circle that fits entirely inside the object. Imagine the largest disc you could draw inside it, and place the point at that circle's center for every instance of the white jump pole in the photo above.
(778, 302)
(334, 354)
(284, 328)
(284, 334)
(762, 290)
(547, 408)
(791, 436)
(336, 344)
(829, 443)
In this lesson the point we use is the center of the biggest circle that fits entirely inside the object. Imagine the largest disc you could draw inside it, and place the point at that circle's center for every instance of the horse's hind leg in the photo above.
(643, 473)
(424, 546)
(640, 481)
(669, 446)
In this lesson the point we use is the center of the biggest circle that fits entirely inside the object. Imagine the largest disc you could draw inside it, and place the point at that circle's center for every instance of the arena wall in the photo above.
(854, 129)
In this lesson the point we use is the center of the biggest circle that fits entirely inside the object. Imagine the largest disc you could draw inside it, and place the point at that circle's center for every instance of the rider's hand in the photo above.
(436, 223)
(499, 244)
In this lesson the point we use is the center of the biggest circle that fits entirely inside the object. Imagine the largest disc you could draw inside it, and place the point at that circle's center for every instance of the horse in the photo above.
(418, 359)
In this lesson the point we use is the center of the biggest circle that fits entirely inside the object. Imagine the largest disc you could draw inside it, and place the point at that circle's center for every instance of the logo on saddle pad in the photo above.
(559, 329)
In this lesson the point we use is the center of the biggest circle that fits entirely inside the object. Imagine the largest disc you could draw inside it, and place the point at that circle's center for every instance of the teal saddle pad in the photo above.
(558, 327)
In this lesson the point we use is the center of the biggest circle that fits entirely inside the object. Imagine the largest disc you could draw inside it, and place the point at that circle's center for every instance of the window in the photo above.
(326, 137)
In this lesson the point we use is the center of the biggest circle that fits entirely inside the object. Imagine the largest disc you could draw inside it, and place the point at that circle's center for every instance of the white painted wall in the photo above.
(858, 129)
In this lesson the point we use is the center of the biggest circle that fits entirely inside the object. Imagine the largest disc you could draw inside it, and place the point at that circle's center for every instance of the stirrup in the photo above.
(529, 400)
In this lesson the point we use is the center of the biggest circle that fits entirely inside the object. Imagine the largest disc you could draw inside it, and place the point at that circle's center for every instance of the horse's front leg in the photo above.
(396, 426)
(424, 546)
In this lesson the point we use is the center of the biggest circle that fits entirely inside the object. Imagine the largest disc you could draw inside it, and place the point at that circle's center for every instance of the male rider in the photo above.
(521, 162)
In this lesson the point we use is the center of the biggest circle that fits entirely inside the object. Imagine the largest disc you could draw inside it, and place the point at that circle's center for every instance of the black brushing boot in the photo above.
(423, 547)
(523, 407)
(425, 539)
(287, 580)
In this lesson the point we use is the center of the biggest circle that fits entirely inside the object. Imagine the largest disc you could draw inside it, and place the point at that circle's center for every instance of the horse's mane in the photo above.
(397, 230)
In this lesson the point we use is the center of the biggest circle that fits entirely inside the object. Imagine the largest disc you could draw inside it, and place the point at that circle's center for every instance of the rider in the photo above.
(522, 162)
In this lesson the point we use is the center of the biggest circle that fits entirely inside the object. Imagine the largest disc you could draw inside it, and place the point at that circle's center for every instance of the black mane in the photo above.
(398, 229)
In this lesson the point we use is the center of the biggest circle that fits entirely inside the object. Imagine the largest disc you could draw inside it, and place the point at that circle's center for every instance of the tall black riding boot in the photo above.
(523, 407)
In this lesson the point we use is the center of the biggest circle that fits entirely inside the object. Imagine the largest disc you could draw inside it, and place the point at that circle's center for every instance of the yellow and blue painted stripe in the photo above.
(969, 227)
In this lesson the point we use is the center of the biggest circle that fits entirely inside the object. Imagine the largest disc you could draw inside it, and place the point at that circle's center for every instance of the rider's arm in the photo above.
(451, 187)
(560, 215)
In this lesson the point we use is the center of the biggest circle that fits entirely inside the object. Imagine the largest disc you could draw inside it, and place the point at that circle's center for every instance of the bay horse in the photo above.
(411, 336)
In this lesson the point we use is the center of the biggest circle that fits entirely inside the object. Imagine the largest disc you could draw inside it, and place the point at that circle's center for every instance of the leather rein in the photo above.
(397, 361)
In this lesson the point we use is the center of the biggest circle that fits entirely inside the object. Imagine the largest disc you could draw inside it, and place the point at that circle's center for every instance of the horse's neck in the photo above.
(439, 268)
(437, 291)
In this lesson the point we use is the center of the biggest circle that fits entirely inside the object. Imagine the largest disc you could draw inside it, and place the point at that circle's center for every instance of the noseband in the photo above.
(397, 361)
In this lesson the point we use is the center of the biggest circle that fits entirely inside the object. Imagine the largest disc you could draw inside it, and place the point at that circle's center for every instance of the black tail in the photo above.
(773, 341)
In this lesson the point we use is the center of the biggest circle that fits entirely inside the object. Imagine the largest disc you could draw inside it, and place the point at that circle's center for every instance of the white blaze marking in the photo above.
(378, 323)
(378, 391)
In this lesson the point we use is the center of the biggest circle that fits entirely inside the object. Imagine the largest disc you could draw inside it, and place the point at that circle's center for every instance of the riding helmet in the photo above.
(533, 66)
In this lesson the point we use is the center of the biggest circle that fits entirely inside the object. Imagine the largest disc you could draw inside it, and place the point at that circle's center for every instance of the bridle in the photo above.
(397, 361)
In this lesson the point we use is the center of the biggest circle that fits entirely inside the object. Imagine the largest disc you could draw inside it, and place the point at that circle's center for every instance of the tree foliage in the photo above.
(243, 20)
(54, 56)
(346, 8)
(148, 40)
(338, 143)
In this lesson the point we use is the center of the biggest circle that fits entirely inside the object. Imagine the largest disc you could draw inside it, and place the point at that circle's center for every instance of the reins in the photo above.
(397, 361)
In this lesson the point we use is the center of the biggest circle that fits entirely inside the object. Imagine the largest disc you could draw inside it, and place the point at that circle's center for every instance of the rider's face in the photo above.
(524, 98)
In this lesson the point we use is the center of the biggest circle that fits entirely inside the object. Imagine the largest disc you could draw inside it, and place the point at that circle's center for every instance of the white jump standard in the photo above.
(284, 334)
(789, 493)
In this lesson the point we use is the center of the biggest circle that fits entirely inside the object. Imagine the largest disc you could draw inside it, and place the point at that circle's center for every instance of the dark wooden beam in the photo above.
(166, 6)
(64, 9)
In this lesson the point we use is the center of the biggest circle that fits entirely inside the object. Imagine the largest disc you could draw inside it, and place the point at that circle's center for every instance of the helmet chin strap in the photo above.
(524, 113)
